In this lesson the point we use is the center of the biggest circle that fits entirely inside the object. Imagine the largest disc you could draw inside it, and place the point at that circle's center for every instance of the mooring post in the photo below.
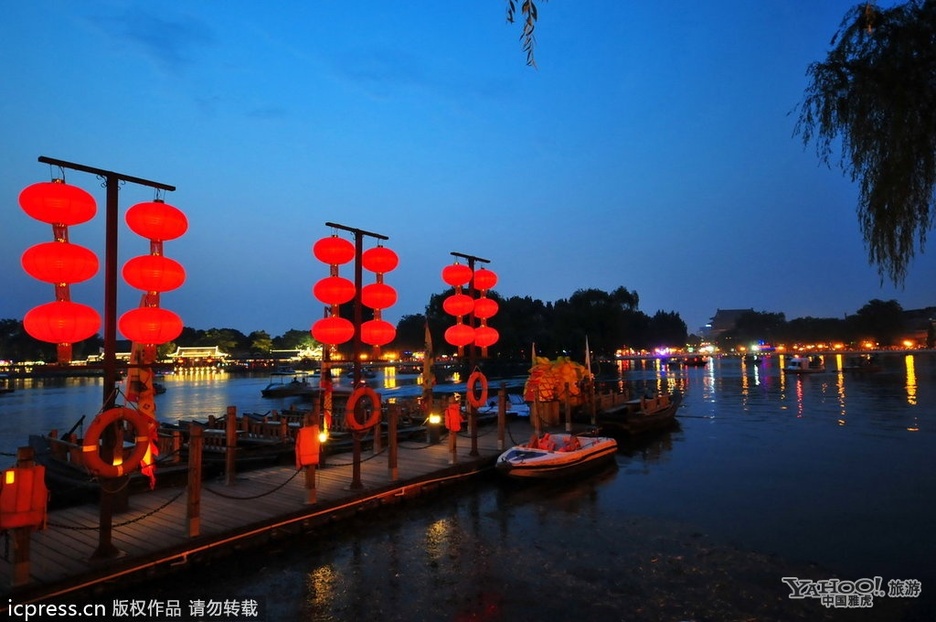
(230, 451)
(501, 415)
(22, 535)
(393, 416)
(193, 507)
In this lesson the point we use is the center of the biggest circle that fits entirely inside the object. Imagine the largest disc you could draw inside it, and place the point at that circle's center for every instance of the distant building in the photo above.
(723, 321)
(198, 355)
(920, 325)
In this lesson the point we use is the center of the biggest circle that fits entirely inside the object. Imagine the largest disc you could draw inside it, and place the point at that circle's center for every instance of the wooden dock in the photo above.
(256, 507)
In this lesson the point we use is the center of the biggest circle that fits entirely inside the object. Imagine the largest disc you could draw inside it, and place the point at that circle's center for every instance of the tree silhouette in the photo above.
(875, 97)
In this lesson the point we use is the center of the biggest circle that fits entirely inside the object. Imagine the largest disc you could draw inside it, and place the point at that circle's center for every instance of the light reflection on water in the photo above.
(834, 468)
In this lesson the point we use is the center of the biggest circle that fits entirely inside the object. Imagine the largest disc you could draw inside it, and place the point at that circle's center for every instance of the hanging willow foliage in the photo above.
(528, 10)
(875, 97)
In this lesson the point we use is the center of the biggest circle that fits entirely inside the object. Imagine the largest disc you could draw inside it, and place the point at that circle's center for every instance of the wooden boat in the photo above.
(804, 365)
(638, 416)
(557, 455)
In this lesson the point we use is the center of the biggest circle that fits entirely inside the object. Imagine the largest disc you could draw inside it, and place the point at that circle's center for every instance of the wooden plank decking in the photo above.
(260, 505)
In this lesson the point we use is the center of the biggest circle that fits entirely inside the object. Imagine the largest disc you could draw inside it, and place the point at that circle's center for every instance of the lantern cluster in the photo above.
(60, 263)
(461, 305)
(333, 290)
(378, 295)
(153, 274)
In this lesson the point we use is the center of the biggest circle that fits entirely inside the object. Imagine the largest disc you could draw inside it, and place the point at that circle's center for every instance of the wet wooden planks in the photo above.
(153, 528)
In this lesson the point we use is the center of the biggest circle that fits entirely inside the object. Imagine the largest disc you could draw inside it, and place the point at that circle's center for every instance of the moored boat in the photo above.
(638, 416)
(862, 363)
(298, 384)
(804, 365)
(557, 455)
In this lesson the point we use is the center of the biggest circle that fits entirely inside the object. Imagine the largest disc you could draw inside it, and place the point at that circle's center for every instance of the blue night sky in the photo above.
(653, 149)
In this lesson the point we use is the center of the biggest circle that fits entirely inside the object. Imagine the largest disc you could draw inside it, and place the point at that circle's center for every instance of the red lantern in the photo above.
(60, 262)
(459, 335)
(155, 220)
(62, 322)
(154, 273)
(456, 274)
(377, 332)
(485, 336)
(333, 250)
(334, 290)
(484, 279)
(150, 325)
(57, 203)
(485, 308)
(379, 259)
(333, 330)
(378, 296)
(458, 304)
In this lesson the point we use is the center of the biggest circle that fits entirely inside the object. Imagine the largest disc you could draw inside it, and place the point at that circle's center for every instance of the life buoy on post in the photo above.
(89, 447)
(475, 378)
(350, 417)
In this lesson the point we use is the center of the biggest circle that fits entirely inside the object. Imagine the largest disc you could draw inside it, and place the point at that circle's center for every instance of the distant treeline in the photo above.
(609, 320)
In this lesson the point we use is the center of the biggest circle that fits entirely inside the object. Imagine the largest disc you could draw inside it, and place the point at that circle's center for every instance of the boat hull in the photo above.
(522, 462)
(639, 416)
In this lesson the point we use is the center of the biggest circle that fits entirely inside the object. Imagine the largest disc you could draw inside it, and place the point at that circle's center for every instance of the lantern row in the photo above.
(460, 305)
(62, 263)
(335, 290)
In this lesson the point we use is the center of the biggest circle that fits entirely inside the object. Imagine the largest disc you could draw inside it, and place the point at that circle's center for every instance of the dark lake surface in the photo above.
(768, 475)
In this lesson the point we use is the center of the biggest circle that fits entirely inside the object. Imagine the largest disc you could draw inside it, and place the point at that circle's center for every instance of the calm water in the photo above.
(767, 475)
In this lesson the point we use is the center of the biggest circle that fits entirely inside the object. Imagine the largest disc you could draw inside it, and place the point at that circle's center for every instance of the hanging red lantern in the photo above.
(485, 308)
(59, 262)
(334, 290)
(150, 325)
(333, 250)
(485, 336)
(456, 274)
(458, 304)
(377, 332)
(58, 203)
(379, 259)
(154, 273)
(156, 220)
(459, 335)
(333, 330)
(62, 322)
(484, 279)
(378, 296)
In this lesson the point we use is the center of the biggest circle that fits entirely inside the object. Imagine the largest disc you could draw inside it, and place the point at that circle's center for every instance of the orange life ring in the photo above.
(474, 379)
(89, 447)
(350, 420)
